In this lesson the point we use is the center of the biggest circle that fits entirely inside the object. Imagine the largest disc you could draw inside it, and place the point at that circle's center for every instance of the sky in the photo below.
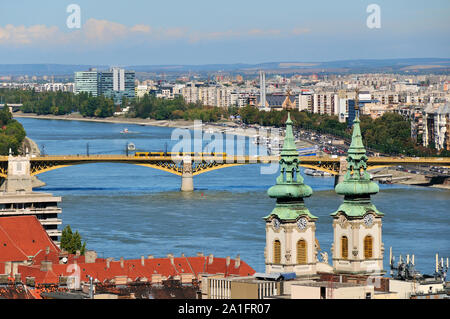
(148, 32)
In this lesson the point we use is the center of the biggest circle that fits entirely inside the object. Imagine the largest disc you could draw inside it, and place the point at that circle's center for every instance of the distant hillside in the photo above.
(44, 69)
(374, 65)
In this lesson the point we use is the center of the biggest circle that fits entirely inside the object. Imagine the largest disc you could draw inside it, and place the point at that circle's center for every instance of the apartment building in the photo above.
(116, 83)
(436, 126)
(87, 81)
(209, 95)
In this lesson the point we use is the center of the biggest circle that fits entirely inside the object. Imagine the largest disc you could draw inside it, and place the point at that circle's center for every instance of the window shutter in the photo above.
(344, 247)
(368, 240)
(276, 252)
(301, 252)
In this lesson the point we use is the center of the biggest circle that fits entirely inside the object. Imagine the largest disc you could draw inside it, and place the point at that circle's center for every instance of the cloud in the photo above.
(299, 31)
(96, 32)
(21, 35)
(234, 34)
(141, 28)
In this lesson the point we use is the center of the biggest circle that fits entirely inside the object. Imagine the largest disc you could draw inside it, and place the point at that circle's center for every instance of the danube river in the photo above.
(124, 210)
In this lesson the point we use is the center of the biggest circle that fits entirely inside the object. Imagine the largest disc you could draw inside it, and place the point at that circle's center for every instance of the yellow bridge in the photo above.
(188, 165)
(202, 164)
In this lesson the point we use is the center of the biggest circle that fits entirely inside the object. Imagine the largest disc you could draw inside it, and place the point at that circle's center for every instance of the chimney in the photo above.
(121, 262)
(108, 262)
(170, 256)
(199, 254)
(90, 257)
(237, 261)
(210, 259)
(8, 267)
(150, 257)
(47, 250)
(142, 261)
(77, 253)
(228, 260)
(182, 255)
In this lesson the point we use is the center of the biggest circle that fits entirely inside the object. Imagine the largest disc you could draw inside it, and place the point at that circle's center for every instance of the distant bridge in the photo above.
(189, 165)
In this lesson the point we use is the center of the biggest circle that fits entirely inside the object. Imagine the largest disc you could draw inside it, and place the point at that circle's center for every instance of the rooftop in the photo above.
(21, 237)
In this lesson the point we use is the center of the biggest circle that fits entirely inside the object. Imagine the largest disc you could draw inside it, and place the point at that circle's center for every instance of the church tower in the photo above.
(357, 246)
(290, 227)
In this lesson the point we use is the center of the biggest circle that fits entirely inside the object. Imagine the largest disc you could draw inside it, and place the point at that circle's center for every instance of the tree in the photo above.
(5, 115)
(71, 242)
(12, 132)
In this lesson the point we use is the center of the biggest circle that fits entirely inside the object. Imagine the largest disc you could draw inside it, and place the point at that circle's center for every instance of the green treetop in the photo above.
(71, 242)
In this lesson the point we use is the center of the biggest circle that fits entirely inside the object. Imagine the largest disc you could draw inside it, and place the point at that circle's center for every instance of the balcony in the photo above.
(54, 232)
(50, 221)
(27, 211)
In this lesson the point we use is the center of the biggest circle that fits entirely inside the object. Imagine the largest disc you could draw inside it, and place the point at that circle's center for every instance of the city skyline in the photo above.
(209, 33)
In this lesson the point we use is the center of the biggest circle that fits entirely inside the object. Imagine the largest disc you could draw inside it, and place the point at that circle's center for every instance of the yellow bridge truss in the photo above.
(203, 164)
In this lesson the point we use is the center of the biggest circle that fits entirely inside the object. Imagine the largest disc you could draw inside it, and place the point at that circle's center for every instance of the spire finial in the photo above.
(289, 121)
(289, 148)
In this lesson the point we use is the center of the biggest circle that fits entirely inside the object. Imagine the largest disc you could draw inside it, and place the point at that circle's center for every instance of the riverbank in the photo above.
(227, 127)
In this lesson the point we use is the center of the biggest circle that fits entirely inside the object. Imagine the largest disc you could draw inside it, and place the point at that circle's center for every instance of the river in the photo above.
(127, 211)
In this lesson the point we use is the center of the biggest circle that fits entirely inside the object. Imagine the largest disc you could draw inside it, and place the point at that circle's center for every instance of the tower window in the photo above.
(276, 252)
(344, 247)
(302, 252)
(368, 247)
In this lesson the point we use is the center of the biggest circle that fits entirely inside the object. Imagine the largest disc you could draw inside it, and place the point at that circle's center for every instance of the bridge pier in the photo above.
(342, 170)
(187, 179)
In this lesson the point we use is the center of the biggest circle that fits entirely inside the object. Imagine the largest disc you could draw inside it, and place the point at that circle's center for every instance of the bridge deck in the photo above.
(205, 163)
(233, 159)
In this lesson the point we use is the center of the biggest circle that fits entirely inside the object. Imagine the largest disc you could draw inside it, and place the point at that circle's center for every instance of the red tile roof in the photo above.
(23, 236)
(133, 269)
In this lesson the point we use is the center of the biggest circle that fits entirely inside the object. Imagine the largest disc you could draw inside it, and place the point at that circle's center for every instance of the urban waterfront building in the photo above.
(436, 126)
(87, 81)
(354, 105)
(290, 227)
(18, 199)
(116, 83)
(219, 96)
(357, 245)
(42, 205)
(278, 102)
(262, 91)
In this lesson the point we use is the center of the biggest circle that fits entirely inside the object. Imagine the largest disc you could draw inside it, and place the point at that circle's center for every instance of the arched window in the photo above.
(276, 252)
(368, 247)
(344, 247)
(302, 252)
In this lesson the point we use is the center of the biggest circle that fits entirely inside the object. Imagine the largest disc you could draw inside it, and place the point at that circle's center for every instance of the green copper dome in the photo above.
(357, 186)
(290, 189)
